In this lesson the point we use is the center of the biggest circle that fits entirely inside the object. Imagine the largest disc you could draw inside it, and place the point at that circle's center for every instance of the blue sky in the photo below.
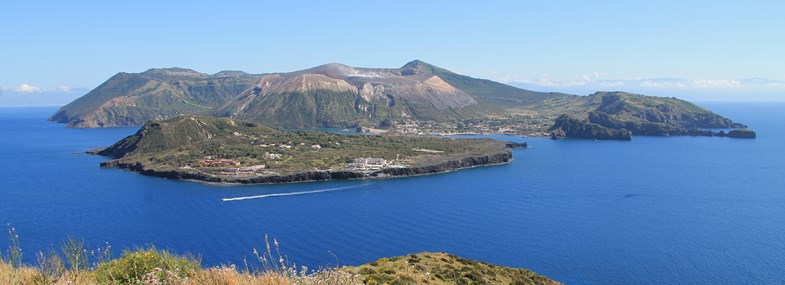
(54, 46)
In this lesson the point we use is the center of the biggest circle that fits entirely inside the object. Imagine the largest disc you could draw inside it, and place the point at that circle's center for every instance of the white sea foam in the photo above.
(293, 193)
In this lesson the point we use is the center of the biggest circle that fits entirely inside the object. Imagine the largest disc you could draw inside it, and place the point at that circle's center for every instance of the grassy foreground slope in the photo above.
(76, 263)
(442, 269)
(156, 267)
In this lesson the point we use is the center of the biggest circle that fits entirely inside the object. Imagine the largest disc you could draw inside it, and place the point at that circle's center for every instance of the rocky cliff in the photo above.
(569, 127)
(307, 176)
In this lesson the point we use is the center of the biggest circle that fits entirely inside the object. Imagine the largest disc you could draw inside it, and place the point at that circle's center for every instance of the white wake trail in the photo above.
(293, 193)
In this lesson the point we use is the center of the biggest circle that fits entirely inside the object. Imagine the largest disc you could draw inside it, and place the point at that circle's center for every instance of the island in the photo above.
(230, 151)
(416, 98)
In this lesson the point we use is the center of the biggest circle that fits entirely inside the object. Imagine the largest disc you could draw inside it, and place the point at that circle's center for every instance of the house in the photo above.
(368, 163)
(268, 155)
(252, 168)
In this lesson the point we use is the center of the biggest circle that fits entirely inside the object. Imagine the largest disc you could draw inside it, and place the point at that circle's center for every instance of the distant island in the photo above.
(225, 150)
(417, 98)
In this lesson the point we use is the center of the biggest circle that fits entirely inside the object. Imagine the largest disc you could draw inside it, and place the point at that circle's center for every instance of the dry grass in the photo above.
(74, 264)
(28, 275)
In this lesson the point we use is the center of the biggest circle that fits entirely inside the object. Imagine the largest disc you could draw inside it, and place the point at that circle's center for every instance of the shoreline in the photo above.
(449, 165)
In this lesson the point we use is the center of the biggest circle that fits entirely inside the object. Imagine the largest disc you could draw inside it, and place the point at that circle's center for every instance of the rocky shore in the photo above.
(441, 166)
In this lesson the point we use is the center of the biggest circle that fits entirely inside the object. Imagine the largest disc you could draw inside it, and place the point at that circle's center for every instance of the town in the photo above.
(520, 125)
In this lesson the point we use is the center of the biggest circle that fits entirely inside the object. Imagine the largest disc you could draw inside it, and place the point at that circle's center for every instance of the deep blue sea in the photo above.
(656, 210)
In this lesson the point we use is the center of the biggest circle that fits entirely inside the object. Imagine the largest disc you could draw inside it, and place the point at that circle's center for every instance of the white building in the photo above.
(368, 163)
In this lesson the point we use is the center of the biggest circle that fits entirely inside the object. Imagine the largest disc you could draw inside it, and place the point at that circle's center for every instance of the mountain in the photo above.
(498, 95)
(329, 95)
(131, 99)
(336, 95)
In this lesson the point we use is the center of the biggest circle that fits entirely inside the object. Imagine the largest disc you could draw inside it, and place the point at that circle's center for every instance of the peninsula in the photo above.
(229, 151)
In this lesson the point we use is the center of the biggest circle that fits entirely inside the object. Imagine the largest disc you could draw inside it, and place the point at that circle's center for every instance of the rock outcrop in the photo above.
(742, 134)
(569, 127)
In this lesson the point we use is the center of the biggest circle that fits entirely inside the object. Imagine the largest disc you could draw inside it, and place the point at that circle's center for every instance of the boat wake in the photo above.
(294, 193)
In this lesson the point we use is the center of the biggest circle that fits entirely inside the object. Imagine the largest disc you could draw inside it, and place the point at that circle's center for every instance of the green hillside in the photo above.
(130, 99)
(609, 115)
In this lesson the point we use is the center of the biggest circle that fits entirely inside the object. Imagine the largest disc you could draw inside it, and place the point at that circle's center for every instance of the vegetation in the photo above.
(609, 114)
(742, 133)
(442, 268)
(184, 143)
(566, 126)
(500, 97)
(76, 264)
(131, 99)
(334, 95)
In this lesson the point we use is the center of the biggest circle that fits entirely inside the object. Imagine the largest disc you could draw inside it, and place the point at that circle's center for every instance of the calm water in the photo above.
(680, 210)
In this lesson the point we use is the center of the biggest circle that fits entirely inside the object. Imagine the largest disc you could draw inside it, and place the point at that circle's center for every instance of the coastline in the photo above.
(449, 165)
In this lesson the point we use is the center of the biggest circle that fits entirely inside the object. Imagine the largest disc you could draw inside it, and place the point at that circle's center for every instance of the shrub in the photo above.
(146, 265)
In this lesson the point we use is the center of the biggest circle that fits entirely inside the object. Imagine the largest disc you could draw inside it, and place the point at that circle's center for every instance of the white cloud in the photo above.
(611, 83)
(547, 82)
(593, 81)
(663, 83)
(64, 88)
(26, 88)
(714, 83)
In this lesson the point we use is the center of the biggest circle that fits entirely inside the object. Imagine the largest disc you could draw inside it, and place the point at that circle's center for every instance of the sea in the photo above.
(654, 210)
